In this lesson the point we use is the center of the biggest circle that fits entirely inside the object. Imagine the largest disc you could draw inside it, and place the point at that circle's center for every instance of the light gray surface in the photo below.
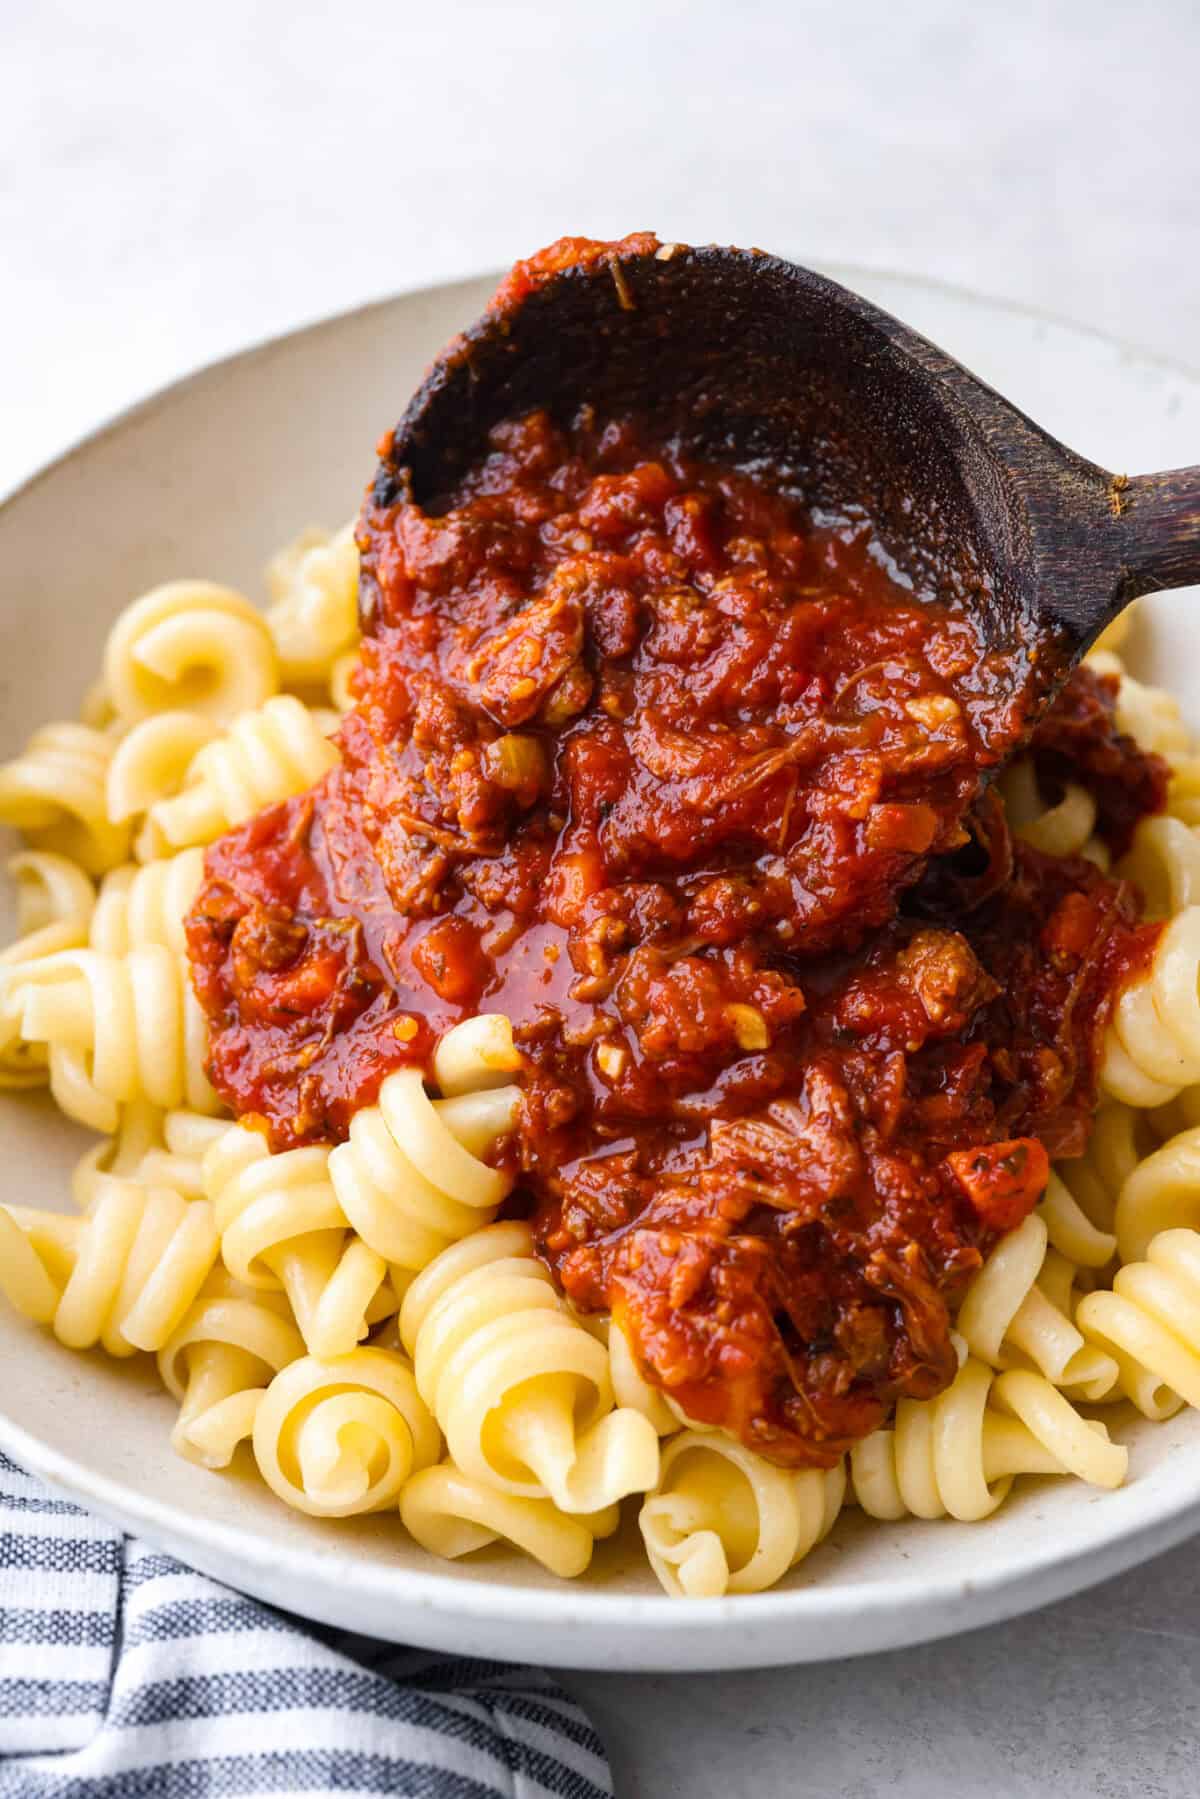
(1097, 1698)
(169, 191)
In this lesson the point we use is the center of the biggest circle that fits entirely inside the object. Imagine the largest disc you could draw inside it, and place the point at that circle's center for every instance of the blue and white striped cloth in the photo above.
(125, 1675)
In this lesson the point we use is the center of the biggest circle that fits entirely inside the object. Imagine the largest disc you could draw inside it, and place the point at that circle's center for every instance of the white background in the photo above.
(177, 181)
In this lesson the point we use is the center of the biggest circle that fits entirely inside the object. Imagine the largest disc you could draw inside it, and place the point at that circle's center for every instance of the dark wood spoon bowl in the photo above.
(748, 358)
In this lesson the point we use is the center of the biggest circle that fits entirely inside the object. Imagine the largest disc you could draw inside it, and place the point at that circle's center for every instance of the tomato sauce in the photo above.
(694, 789)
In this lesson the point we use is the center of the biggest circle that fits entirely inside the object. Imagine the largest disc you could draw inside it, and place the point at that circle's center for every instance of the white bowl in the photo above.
(207, 479)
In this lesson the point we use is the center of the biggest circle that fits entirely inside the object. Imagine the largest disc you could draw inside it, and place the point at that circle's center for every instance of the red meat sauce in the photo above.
(692, 788)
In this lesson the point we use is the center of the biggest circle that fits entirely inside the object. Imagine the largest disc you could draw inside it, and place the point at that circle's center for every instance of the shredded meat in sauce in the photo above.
(690, 787)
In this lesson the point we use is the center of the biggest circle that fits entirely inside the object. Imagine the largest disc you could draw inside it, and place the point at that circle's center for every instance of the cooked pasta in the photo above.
(521, 1390)
(1008, 1320)
(1150, 1322)
(340, 1436)
(1149, 714)
(189, 646)
(55, 902)
(54, 793)
(146, 904)
(1161, 1192)
(174, 1152)
(1153, 717)
(1070, 1229)
(411, 1179)
(451, 1515)
(138, 1134)
(1163, 862)
(264, 756)
(1063, 828)
(1153, 1044)
(123, 1276)
(356, 1314)
(723, 1520)
(218, 1364)
(1120, 1137)
(313, 620)
(959, 1454)
(632, 1389)
(117, 1028)
(476, 1054)
(281, 1226)
(150, 763)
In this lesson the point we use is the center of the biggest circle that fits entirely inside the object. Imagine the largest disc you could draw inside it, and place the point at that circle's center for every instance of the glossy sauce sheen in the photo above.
(689, 787)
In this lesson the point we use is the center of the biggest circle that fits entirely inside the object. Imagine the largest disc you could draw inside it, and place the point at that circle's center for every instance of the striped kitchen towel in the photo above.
(125, 1675)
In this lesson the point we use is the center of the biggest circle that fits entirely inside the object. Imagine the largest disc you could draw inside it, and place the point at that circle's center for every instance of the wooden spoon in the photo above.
(748, 358)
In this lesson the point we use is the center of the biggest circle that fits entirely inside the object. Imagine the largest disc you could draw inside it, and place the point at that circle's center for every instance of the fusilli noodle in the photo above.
(189, 646)
(1153, 1045)
(122, 1277)
(314, 616)
(1007, 1319)
(218, 1364)
(54, 793)
(411, 1179)
(281, 1226)
(451, 1515)
(723, 1520)
(342, 1436)
(118, 1028)
(960, 1453)
(521, 1390)
(1151, 1323)
(263, 757)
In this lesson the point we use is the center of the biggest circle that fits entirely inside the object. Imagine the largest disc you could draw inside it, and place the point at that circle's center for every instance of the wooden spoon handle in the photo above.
(1159, 519)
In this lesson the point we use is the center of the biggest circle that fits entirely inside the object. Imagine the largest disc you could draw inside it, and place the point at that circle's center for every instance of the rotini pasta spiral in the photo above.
(122, 1277)
(630, 1387)
(1007, 1319)
(476, 1054)
(118, 1028)
(1153, 717)
(189, 646)
(1150, 1322)
(264, 756)
(218, 1364)
(521, 1390)
(1161, 1192)
(314, 616)
(959, 1453)
(451, 1515)
(1119, 1138)
(1149, 714)
(340, 1436)
(1152, 1049)
(723, 1520)
(150, 763)
(1116, 634)
(55, 900)
(1163, 862)
(136, 906)
(411, 1179)
(1070, 1230)
(54, 794)
(281, 1226)
(172, 1152)
(1179, 1114)
(1060, 829)
(138, 1134)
